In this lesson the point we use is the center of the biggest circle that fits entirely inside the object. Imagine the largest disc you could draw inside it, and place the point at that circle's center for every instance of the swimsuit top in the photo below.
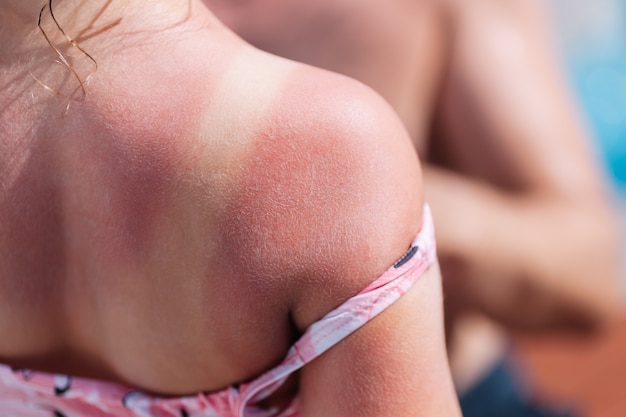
(26, 393)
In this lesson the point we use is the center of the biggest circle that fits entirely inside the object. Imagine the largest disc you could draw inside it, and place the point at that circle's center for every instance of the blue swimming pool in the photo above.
(601, 87)
(594, 34)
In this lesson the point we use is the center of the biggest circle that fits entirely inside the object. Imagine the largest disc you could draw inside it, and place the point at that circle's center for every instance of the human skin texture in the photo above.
(525, 231)
(204, 197)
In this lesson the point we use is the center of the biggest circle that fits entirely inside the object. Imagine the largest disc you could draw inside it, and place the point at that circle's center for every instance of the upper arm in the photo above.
(330, 198)
(395, 365)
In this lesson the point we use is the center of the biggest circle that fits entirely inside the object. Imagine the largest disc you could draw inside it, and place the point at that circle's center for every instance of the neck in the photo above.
(22, 9)
(67, 22)
(18, 17)
(29, 9)
(88, 23)
(71, 32)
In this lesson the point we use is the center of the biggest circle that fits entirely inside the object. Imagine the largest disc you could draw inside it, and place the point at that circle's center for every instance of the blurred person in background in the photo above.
(526, 232)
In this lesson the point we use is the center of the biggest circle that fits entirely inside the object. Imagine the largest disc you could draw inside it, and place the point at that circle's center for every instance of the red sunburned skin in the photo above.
(140, 154)
(291, 171)
(144, 199)
(298, 201)
(183, 190)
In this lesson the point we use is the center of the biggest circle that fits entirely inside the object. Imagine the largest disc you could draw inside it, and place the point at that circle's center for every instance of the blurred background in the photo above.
(590, 375)
(592, 36)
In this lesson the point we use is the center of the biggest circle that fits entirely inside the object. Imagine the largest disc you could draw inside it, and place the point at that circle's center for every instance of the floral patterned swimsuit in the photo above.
(25, 393)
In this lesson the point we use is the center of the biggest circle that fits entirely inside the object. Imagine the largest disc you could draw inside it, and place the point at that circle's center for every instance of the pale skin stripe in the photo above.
(240, 106)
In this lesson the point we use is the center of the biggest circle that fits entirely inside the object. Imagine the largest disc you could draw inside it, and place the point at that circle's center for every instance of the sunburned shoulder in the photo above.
(328, 194)
(309, 178)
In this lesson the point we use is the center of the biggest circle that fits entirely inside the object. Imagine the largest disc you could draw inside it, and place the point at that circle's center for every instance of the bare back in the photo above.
(132, 227)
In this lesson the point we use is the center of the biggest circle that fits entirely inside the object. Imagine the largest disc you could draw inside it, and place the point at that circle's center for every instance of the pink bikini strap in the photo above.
(348, 317)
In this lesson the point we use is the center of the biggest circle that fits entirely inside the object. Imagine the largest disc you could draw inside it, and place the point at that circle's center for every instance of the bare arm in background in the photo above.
(526, 233)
